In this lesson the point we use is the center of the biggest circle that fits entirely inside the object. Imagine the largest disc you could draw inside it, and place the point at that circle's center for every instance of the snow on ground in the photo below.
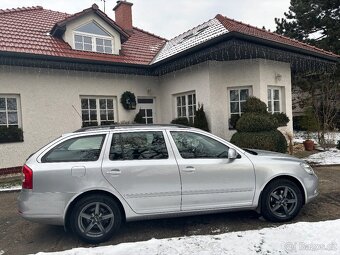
(330, 157)
(10, 188)
(299, 238)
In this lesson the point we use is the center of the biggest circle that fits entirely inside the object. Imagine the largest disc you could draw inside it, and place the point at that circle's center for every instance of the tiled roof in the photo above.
(26, 30)
(196, 36)
(236, 26)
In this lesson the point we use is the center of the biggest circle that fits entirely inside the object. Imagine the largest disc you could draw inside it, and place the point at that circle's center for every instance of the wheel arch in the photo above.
(293, 179)
(87, 193)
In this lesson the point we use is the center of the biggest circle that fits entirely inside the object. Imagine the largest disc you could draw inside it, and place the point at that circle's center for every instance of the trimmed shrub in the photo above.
(253, 104)
(181, 121)
(11, 134)
(257, 129)
(255, 122)
(200, 120)
(139, 118)
(268, 140)
(282, 119)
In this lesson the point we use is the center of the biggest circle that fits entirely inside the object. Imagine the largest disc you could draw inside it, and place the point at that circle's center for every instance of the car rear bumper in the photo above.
(47, 208)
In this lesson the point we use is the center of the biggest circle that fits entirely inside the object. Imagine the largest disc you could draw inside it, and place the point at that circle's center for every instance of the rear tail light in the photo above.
(27, 183)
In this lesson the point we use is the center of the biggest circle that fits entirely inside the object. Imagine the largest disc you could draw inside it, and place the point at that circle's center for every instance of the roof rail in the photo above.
(92, 128)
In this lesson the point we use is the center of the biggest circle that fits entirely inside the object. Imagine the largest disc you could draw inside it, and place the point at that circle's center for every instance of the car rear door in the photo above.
(141, 166)
(209, 179)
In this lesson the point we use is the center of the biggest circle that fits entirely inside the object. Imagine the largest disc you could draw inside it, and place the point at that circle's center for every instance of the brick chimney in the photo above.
(123, 13)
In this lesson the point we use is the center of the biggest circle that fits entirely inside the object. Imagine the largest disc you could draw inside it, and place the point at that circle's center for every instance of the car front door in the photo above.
(209, 179)
(141, 166)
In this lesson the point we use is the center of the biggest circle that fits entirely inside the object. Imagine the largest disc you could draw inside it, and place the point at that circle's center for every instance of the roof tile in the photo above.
(237, 26)
(26, 30)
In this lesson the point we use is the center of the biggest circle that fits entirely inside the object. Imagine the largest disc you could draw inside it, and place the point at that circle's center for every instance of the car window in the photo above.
(138, 146)
(193, 145)
(85, 148)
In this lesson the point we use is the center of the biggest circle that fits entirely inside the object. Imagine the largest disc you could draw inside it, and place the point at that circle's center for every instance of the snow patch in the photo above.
(330, 157)
(300, 238)
(13, 188)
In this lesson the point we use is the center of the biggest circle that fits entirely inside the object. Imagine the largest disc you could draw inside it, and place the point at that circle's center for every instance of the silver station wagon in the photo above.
(94, 179)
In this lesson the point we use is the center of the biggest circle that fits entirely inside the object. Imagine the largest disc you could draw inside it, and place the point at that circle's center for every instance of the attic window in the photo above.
(91, 37)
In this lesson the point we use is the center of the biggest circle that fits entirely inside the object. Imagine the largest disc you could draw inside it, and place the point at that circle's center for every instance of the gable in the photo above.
(92, 24)
(92, 28)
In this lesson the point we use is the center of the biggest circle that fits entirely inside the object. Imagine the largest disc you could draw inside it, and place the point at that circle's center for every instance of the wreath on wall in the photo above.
(128, 100)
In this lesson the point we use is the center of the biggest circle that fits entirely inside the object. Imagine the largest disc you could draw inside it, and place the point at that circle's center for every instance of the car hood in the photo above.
(272, 155)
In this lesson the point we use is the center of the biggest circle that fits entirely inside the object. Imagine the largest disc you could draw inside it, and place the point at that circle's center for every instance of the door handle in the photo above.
(189, 169)
(114, 172)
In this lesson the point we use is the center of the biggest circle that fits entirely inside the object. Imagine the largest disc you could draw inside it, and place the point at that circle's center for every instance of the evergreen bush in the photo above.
(139, 118)
(181, 121)
(200, 120)
(272, 140)
(282, 118)
(11, 134)
(256, 122)
(257, 129)
(253, 104)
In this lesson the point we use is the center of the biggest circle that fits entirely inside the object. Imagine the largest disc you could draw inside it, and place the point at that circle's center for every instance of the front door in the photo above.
(142, 168)
(147, 109)
(209, 179)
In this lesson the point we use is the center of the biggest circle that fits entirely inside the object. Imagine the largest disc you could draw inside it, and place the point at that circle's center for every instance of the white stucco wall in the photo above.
(257, 74)
(48, 97)
(268, 70)
(226, 75)
(195, 78)
(211, 81)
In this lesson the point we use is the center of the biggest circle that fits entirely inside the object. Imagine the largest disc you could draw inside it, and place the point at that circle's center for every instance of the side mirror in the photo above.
(232, 154)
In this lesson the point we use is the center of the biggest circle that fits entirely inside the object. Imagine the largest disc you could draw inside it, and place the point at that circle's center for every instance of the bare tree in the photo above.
(322, 93)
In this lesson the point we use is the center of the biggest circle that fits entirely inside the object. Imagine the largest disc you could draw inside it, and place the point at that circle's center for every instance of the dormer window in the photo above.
(91, 37)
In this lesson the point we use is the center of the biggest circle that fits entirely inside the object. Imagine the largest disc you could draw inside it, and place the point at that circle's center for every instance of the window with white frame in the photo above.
(274, 99)
(98, 111)
(186, 106)
(91, 37)
(10, 111)
(237, 98)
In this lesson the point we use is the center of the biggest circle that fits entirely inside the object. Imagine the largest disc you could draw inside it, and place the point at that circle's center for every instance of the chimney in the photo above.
(123, 13)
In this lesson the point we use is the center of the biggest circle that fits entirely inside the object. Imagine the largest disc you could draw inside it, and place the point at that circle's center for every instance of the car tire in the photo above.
(281, 201)
(95, 218)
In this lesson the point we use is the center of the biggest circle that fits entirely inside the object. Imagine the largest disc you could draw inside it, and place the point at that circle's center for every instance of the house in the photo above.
(59, 72)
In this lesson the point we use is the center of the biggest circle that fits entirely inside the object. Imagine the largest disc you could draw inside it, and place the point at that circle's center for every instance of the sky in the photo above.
(168, 18)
